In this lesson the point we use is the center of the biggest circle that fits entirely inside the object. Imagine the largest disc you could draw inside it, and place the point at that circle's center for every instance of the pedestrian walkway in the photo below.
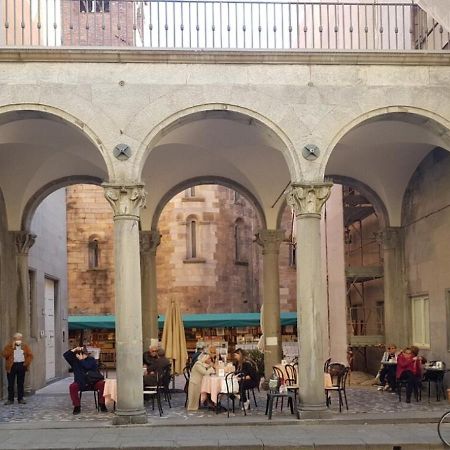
(375, 420)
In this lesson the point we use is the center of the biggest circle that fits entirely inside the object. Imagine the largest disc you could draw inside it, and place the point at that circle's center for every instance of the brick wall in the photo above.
(90, 291)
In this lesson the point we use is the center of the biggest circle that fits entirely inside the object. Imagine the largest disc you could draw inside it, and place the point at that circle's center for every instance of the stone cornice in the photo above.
(305, 57)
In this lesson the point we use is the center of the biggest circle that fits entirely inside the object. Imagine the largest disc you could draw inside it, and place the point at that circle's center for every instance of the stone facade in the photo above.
(89, 220)
(213, 282)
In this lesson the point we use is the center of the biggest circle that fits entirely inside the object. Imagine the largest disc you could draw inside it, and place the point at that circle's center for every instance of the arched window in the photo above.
(191, 238)
(94, 253)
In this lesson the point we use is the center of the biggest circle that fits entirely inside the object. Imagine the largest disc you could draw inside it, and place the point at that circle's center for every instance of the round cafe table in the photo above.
(110, 390)
(211, 384)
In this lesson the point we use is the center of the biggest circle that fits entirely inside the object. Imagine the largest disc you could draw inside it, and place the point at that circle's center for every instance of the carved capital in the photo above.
(126, 201)
(24, 241)
(270, 240)
(149, 241)
(308, 199)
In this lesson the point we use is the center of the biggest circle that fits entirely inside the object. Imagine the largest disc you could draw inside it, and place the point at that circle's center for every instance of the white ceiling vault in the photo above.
(36, 151)
(384, 152)
(218, 145)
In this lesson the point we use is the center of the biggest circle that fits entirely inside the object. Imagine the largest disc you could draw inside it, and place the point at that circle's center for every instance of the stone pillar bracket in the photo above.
(24, 240)
(149, 241)
(126, 201)
(270, 240)
(308, 199)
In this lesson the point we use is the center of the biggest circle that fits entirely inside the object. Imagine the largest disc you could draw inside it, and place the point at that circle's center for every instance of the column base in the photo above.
(130, 417)
(315, 414)
(314, 411)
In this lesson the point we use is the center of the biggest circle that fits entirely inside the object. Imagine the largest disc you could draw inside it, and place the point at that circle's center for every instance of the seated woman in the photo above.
(202, 367)
(387, 372)
(409, 369)
(250, 377)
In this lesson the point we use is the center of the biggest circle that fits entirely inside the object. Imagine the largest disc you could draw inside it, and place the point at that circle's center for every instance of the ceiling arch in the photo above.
(38, 148)
(383, 149)
(218, 144)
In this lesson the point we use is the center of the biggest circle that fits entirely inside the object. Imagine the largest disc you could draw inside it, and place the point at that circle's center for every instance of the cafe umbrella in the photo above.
(173, 338)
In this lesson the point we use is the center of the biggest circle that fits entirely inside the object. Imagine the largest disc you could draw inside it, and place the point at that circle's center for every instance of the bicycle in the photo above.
(444, 428)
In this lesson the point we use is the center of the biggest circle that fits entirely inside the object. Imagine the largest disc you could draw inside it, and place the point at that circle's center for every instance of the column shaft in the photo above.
(126, 202)
(396, 307)
(149, 241)
(270, 241)
(307, 201)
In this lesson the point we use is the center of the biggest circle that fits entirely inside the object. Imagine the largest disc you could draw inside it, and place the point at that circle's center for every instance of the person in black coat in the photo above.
(80, 363)
(249, 378)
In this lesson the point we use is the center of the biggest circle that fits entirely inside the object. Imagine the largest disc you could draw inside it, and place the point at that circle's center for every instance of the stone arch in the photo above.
(41, 194)
(193, 112)
(436, 121)
(65, 117)
(207, 180)
(370, 195)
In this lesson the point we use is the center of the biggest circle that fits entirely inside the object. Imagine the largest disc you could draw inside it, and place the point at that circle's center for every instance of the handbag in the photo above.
(93, 377)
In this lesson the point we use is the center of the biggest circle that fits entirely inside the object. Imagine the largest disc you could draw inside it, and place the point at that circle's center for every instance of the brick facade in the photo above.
(213, 282)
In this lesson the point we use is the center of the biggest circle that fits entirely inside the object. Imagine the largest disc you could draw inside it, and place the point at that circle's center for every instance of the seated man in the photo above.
(80, 362)
(150, 357)
(387, 372)
(156, 364)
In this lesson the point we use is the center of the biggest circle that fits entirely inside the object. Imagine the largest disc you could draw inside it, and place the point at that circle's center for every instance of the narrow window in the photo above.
(190, 192)
(420, 308)
(94, 254)
(191, 239)
(91, 6)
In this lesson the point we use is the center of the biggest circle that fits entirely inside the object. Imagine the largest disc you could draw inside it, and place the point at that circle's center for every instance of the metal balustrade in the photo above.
(227, 25)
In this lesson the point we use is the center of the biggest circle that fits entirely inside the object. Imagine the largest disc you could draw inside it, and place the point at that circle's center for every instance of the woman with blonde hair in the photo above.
(202, 367)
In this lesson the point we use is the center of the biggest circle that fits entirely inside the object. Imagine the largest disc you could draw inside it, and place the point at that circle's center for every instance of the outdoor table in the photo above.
(211, 384)
(435, 375)
(110, 391)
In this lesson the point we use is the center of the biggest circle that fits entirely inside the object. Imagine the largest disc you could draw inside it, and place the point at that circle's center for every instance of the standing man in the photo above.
(18, 358)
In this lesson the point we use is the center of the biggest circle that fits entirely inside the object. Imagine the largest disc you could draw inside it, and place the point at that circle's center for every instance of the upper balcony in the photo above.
(261, 26)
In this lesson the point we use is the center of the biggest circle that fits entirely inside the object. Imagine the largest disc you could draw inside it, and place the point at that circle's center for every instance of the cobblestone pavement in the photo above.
(55, 406)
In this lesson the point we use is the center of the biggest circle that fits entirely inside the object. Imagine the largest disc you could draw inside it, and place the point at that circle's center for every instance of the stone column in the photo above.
(149, 241)
(26, 313)
(126, 202)
(307, 201)
(24, 241)
(396, 307)
(270, 241)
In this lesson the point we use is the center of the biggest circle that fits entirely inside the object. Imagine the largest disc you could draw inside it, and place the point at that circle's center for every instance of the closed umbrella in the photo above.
(173, 338)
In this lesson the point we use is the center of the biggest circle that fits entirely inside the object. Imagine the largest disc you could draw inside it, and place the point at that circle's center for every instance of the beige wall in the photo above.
(426, 218)
(48, 258)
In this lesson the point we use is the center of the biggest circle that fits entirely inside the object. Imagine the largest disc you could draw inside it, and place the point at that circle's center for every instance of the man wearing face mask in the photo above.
(18, 358)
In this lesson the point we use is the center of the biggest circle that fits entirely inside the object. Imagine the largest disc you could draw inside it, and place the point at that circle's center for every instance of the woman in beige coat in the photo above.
(201, 368)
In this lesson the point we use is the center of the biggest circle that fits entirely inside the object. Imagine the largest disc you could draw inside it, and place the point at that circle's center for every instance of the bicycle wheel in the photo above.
(444, 428)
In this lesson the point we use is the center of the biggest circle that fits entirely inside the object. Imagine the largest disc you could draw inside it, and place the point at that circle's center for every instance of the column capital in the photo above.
(24, 240)
(270, 240)
(308, 199)
(125, 200)
(149, 240)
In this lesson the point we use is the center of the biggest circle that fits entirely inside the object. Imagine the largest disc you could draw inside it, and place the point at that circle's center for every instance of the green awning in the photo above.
(189, 320)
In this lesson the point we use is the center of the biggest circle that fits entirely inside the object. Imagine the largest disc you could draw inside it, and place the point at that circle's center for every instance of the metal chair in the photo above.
(187, 377)
(154, 392)
(338, 373)
(230, 381)
(95, 391)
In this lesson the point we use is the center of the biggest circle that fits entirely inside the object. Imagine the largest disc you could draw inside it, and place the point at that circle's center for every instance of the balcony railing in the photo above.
(233, 25)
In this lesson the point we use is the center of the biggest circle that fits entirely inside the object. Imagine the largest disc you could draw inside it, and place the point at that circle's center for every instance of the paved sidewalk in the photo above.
(298, 436)
(375, 420)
